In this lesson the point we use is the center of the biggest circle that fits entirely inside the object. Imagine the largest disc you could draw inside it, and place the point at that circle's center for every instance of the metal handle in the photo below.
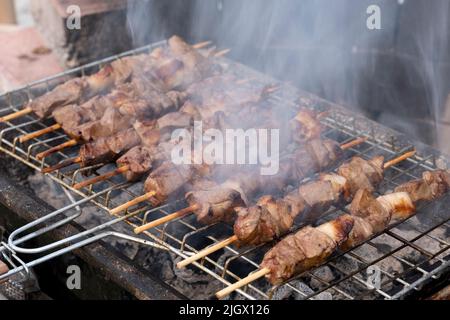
(8, 250)
(12, 242)
(31, 264)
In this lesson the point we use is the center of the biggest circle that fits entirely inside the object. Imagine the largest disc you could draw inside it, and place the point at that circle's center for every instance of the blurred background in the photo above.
(398, 75)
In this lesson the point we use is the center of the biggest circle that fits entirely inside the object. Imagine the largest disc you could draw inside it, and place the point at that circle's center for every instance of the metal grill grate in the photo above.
(404, 257)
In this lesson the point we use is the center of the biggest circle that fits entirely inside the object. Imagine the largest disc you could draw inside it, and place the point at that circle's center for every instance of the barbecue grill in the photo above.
(405, 258)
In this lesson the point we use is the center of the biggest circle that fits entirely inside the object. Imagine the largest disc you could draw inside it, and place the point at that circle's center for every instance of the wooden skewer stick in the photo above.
(207, 251)
(353, 143)
(170, 217)
(62, 164)
(261, 273)
(16, 115)
(211, 52)
(222, 244)
(133, 202)
(201, 45)
(399, 159)
(222, 53)
(190, 209)
(68, 144)
(36, 134)
(103, 177)
(241, 283)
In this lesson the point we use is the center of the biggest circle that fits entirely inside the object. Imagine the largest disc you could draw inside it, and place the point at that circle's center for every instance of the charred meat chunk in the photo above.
(432, 186)
(138, 160)
(305, 126)
(108, 148)
(363, 174)
(305, 249)
(168, 180)
(70, 92)
(216, 204)
(264, 222)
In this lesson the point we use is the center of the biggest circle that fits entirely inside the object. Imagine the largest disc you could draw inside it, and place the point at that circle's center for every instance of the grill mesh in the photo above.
(402, 258)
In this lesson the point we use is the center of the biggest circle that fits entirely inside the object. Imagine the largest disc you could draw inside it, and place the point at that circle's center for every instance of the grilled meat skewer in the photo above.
(80, 90)
(76, 90)
(214, 204)
(154, 93)
(114, 120)
(148, 134)
(198, 206)
(272, 218)
(369, 216)
(141, 158)
(298, 252)
(373, 215)
(106, 115)
(174, 178)
(169, 66)
(145, 97)
(217, 204)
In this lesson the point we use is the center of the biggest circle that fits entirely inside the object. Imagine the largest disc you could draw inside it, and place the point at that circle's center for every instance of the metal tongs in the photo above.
(9, 250)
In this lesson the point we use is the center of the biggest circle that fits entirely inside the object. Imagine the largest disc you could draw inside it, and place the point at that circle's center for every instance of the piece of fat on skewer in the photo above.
(305, 249)
(364, 205)
(337, 229)
(374, 215)
(361, 231)
(338, 183)
(399, 204)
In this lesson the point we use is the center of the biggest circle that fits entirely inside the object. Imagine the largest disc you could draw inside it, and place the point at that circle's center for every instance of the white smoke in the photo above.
(324, 46)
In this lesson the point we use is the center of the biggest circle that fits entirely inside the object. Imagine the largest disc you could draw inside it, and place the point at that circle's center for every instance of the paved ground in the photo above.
(24, 57)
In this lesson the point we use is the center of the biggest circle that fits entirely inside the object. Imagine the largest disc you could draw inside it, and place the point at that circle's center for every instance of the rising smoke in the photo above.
(396, 75)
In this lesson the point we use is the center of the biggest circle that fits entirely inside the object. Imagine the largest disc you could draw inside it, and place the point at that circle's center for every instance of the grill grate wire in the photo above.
(339, 125)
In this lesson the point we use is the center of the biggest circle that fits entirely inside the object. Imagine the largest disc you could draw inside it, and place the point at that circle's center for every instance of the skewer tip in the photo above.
(16, 115)
(207, 251)
(168, 218)
(399, 159)
(354, 143)
(222, 53)
(133, 202)
(102, 177)
(62, 165)
(36, 134)
(241, 283)
(201, 45)
(68, 144)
